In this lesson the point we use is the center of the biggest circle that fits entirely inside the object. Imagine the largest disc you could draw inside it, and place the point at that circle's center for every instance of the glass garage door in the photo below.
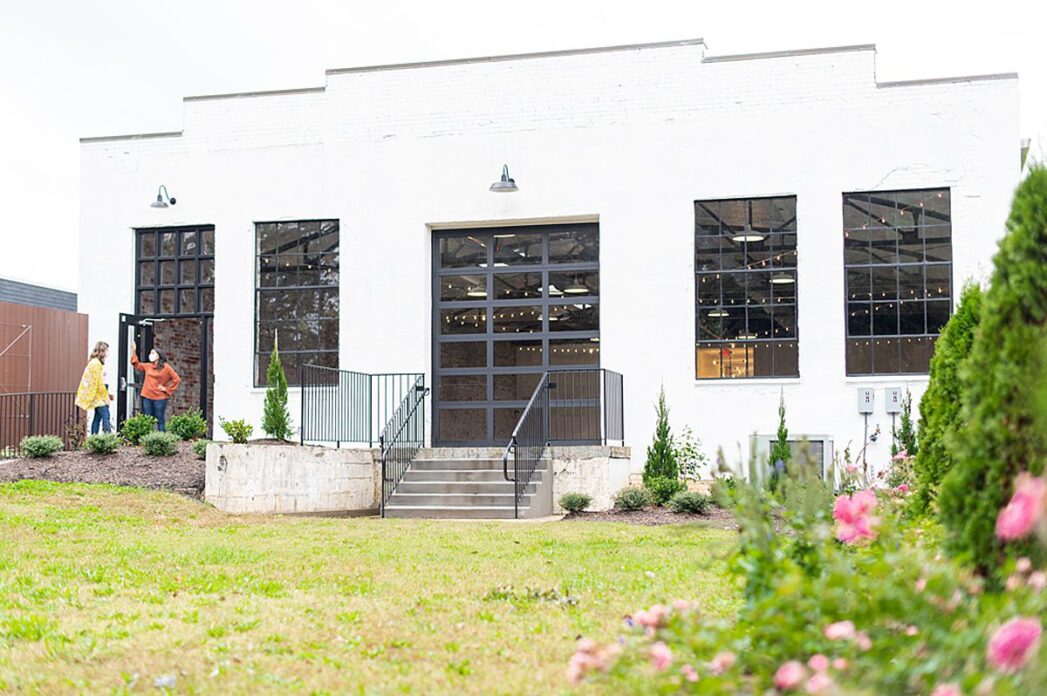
(508, 304)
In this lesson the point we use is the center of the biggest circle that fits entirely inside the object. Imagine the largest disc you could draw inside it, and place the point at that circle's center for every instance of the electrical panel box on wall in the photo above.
(866, 399)
(893, 397)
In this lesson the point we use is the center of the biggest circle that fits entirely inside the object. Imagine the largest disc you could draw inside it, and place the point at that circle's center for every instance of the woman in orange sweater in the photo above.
(159, 381)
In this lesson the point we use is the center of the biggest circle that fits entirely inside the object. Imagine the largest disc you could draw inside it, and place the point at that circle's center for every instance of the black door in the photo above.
(137, 329)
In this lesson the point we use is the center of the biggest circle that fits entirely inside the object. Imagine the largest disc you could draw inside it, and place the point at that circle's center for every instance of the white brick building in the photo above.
(654, 150)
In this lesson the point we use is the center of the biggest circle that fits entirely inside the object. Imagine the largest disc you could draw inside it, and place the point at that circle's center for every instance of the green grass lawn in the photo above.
(106, 589)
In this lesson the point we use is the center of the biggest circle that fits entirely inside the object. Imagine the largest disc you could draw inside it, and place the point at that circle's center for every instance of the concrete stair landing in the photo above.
(467, 483)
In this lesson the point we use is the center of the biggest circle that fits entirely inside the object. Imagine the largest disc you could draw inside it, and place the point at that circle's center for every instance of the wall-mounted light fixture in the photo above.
(507, 184)
(161, 194)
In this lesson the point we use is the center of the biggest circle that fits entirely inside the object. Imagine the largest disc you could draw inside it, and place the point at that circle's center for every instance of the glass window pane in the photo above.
(463, 321)
(883, 245)
(575, 317)
(517, 286)
(207, 299)
(885, 319)
(167, 272)
(762, 359)
(581, 352)
(517, 319)
(885, 283)
(462, 388)
(146, 244)
(462, 252)
(886, 356)
(706, 252)
(759, 287)
(581, 245)
(707, 362)
(517, 249)
(856, 212)
(470, 354)
(147, 302)
(916, 355)
(463, 288)
(910, 246)
(937, 205)
(207, 272)
(513, 353)
(759, 324)
(938, 243)
(207, 242)
(187, 274)
(147, 273)
(515, 387)
(187, 299)
(784, 321)
(856, 249)
(167, 301)
(168, 244)
(786, 359)
(463, 424)
(505, 420)
(574, 284)
(859, 284)
(708, 289)
(939, 280)
(707, 216)
(710, 324)
(783, 287)
(189, 244)
(859, 319)
(859, 357)
(937, 315)
(911, 317)
(733, 287)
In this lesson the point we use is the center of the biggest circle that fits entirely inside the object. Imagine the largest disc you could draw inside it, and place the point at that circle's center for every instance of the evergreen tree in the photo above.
(276, 419)
(661, 459)
(940, 413)
(904, 437)
(1001, 436)
(780, 451)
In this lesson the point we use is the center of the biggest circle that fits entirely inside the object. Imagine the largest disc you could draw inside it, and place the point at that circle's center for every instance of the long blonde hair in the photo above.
(100, 349)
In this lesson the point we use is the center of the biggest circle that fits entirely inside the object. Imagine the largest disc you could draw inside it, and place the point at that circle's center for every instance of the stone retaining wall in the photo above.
(598, 472)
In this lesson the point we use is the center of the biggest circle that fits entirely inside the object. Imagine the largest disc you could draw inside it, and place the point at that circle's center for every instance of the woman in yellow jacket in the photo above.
(93, 392)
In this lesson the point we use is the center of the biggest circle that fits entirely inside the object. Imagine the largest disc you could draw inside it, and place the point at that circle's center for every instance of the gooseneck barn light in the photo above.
(161, 194)
(507, 184)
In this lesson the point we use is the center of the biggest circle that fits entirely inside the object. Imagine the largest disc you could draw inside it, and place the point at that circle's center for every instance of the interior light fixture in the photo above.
(507, 184)
(743, 337)
(717, 313)
(576, 288)
(476, 291)
(748, 234)
(161, 194)
(782, 279)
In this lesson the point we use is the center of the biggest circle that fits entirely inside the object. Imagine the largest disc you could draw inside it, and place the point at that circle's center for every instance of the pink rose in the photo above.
(911, 631)
(1038, 580)
(1024, 510)
(862, 641)
(1023, 565)
(921, 584)
(819, 663)
(722, 662)
(661, 656)
(1014, 643)
(789, 675)
(840, 664)
(947, 690)
(689, 673)
(852, 468)
(841, 630)
(579, 665)
(682, 605)
(1013, 583)
(853, 515)
(818, 683)
(902, 454)
(903, 488)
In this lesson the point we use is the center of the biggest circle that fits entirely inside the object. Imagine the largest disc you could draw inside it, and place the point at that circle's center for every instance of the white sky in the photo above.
(70, 69)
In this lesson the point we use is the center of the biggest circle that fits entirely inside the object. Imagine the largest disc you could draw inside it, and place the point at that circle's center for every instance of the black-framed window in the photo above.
(745, 288)
(174, 271)
(296, 295)
(898, 269)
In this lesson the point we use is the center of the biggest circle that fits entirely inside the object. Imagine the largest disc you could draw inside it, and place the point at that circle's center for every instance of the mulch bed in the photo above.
(715, 517)
(128, 466)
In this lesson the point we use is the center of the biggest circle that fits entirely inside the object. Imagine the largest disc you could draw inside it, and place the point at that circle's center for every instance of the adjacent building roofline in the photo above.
(131, 136)
(949, 80)
(261, 93)
(788, 54)
(517, 56)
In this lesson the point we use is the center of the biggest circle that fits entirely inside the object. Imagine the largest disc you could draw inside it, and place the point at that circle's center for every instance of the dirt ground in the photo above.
(715, 517)
(128, 466)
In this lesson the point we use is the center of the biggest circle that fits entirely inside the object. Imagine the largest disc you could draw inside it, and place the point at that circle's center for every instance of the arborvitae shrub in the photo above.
(1000, 436)
(661, 457)
(780, 450)
(188, 426)
(904, 436)
(276, 419)
(940, 413)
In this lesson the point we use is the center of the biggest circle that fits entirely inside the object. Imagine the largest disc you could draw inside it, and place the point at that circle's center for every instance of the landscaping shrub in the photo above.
(188, 426)
(940, 413)
(160, 444)
(237, 430)
(37, 446)
(276, 419)
(575, 502)
(722, 491)
(1000, 436)
(690, 501)
(903, 438)
(135, 427)
(778, 460)
(200, 448)
(661, 459)
(687, 450)
(103, 443)
(662, 489)
(633, 498)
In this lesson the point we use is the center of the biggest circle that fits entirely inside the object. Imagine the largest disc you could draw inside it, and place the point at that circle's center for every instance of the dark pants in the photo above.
(101, 418)
(156, 409)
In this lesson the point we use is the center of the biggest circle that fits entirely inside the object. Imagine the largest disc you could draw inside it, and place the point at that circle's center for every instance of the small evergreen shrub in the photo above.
(276, 419)
(904, 436)
(723, 491)
(690, 501)
(575, 502)
(661, 459)
(662, 489)
(237, 430)
(37, 446)
(778, 460)
(160, 444)
(633, 498)
(200, 448)
(102, 443)
(940, 413)
(135, 427)
(188, 426)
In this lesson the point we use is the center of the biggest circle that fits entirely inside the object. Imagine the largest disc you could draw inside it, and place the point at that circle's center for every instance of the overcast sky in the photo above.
(71, 69)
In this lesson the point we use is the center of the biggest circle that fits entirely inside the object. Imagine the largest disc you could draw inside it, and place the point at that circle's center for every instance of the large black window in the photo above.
(296, 295)
(898, 268)
(745, 280)
(174, 274)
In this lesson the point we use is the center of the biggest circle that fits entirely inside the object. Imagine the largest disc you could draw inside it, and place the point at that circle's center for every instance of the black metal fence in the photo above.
(583, 406)
(401, 439)
(346, 407)
(39, 413)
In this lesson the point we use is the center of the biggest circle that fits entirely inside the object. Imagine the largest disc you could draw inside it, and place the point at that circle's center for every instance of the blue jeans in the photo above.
(156, 409)
(101, 418)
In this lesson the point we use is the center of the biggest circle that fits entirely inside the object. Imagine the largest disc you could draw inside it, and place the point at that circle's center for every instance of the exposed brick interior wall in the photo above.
(179, 339)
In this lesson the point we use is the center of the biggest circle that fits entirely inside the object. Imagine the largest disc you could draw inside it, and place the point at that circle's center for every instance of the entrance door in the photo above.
(509, 303)
(137, 330)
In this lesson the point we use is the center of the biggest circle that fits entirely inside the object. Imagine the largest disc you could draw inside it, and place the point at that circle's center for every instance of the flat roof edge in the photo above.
(787, 54)
(516, 56)
(260, 93)
(948, 80)
(130, 136)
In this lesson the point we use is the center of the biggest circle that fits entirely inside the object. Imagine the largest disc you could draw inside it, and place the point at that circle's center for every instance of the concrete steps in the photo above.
(470, 486)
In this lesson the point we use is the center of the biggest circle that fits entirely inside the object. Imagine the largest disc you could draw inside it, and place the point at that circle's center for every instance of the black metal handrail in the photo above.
(347, 407)
(401, 439)
(39, 413)
(581, 406)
